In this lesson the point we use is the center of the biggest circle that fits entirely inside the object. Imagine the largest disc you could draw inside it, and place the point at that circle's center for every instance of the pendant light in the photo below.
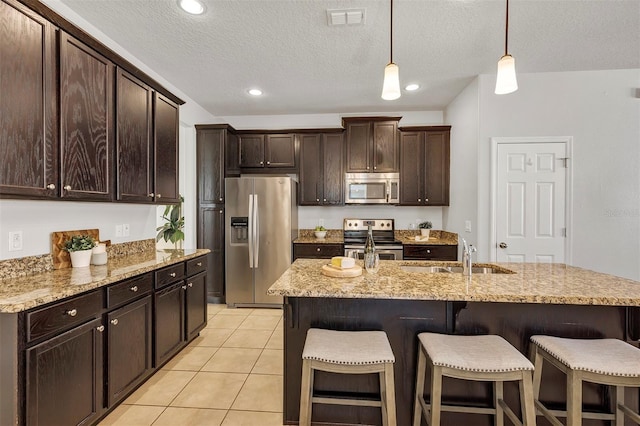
(391, 83)
(506, 81)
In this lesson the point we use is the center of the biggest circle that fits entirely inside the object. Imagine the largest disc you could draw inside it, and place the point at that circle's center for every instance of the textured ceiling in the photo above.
(286, 48)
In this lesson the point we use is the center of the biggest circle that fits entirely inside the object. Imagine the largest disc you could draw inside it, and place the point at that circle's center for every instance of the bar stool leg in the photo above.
(390, 397)
(417, 407)
(436, 395)
(537, 371)
(498, 394)
(383, 399)
(306, 393)
(526, 400)
(574, 398)
(619, 390)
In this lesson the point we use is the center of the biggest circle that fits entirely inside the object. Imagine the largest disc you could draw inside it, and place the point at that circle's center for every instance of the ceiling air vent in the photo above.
(345, 17)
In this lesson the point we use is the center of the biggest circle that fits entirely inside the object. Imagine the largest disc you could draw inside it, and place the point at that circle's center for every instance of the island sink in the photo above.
(454, 269)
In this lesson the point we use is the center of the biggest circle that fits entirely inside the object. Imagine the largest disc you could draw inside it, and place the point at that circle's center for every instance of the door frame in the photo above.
(568, 212)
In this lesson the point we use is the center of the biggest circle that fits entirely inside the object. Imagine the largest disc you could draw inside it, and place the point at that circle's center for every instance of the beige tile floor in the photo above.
(231, 375)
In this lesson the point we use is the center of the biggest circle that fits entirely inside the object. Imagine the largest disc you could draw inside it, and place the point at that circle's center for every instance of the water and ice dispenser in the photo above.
(239, 230)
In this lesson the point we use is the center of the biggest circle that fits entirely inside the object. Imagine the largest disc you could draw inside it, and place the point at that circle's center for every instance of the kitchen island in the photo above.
(516, 302)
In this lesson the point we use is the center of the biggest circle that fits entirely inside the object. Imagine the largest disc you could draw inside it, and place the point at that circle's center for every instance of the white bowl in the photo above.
(320, 234)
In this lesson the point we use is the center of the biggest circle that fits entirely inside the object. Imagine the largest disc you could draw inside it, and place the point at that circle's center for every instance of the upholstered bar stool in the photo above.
(480, 358)
(348, 352)
(605, 361)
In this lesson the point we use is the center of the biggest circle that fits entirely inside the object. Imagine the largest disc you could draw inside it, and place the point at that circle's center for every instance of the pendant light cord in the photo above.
(391, 36)
(506, 31)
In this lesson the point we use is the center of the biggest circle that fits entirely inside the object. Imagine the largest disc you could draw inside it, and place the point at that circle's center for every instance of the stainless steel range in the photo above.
(355, 235)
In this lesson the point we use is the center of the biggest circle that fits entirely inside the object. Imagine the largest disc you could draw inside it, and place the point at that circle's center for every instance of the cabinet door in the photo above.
(385, 146)
(358, 146)
(86, 121)
(196, 300)
(134, 140)
(311, 166)
(129, 348)
(166, 150)
(411, 168)
(65, 377)
(436, 173)
(280, 151)
(333, 172)
(317, 251)
(28, 104)
(232, 150)
(251, 150)
(169, 322)
(211, 236)
(211, 157)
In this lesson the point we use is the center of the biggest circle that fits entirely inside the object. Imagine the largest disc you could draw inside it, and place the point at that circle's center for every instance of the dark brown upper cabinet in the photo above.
(321, 169)
(86, 121)
(134, 139)
(270, 150)
(212, 153)
(372, 144)
(28, 104)
(424, 166)
(166, 150)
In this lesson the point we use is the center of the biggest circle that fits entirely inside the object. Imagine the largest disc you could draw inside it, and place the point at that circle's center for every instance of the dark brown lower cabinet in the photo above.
(211, 236)
(429, 252)
(317, 251)
(196, 302)
(169, 322)
(129, 348)
(64, 377)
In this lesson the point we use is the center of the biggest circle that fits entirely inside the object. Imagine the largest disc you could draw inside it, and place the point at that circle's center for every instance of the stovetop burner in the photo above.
(355, 231)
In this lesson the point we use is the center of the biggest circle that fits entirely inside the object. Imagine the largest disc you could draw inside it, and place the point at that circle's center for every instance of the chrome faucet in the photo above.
(467, 250)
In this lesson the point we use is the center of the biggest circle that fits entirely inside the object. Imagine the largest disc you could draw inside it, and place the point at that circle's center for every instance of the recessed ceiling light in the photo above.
(254, 92)
(193, 7)
(411, 87)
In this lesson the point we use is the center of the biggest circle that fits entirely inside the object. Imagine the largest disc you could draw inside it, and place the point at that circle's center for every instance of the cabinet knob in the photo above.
(184, 287)
(419, 200)
(268, 163)
(367, 167)
(114, 321)
(220, 199)
(100, 328)
(262, 163)
(375, 167)
(190, 284)
(199, 263)
(134, 288)
(318, 199)
(429, 251)
(158, 195)
(51, 186)
(325, 200)
(426, 200)
(318, 249)
(221, 211)
(172, 275)
(151, 195)
(67, 187)
(72, 312)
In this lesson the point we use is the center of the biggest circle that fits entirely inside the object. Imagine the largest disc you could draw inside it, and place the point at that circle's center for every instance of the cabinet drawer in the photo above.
(317, 251)
(169, 275)
(197, 265)
(67, 313)
(128, 290)
(427, 252)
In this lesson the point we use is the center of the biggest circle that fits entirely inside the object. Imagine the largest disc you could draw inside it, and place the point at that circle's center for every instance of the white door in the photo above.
(530, 202)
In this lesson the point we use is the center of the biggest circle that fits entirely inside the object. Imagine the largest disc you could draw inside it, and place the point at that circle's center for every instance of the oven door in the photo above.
(385, 253)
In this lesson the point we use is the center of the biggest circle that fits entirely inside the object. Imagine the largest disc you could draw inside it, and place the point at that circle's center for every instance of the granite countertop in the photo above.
(22, 293)
(335, 236)
(531, 283)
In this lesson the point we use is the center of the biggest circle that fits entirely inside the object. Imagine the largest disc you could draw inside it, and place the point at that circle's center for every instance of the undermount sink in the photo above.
(451, 269)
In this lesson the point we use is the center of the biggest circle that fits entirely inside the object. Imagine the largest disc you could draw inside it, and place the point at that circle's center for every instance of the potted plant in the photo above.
(320, 232)
(424, 228)
(79, 248)
(172, 229)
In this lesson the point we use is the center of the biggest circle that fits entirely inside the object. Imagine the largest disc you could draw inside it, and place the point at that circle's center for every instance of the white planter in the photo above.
(425, 232)
(320, 234)
(80, 258)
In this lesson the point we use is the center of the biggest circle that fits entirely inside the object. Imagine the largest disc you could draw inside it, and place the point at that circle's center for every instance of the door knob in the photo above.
(503, 245)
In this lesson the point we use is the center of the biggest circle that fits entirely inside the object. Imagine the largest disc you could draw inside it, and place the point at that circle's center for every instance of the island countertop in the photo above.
(530, 283)
(22, 293)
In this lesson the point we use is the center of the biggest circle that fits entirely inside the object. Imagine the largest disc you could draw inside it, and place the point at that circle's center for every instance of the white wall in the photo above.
(332, 217)
(601, 111)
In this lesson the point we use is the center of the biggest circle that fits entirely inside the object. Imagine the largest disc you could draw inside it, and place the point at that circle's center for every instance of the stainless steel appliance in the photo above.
(355, 235)
(261, 220)
(372, 188)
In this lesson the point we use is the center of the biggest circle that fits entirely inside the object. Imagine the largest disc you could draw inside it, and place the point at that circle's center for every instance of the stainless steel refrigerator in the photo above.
(261, 220)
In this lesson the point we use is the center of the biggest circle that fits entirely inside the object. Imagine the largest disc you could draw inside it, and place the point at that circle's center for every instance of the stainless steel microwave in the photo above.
(372, 188)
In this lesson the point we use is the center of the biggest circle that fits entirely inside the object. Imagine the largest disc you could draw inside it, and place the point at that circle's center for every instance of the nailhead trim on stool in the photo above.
(348, 352)
(480, 358)
(605, 361)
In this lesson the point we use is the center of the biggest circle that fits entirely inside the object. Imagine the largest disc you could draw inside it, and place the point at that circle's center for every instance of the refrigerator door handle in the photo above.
(256, 230)
(251, 225)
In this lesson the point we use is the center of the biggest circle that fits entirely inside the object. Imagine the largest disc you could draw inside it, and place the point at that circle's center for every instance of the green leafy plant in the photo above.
(320, 228)
(80, 242)
(172, 229)
(425, 225)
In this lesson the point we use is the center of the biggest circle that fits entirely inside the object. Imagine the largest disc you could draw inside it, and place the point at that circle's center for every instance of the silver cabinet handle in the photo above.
(67, 187)
(100, 328)
(172, 275)
(51, 186)
(114, 321)
(72, 312)
(158, 195)
(190, 284)
(199, 263)
(134, 288)
(151, 195)
(503, 245)
(184, 287)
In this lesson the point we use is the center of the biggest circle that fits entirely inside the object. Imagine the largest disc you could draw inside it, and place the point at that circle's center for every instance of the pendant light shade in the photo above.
(506, 81)
(391, 83)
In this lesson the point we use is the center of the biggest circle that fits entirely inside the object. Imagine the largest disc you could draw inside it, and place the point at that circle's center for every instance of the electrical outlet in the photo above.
(467, 226)
(125, 229)
(118, 230)
(15, 241)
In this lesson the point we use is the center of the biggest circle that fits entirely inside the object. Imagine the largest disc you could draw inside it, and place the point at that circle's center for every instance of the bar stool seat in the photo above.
(480, 358)
(605, 361)
(348, 352)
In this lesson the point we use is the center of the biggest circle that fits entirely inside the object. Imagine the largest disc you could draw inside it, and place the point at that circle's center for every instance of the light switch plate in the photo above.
(467, 226)
(15, 241)
(118, 230)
